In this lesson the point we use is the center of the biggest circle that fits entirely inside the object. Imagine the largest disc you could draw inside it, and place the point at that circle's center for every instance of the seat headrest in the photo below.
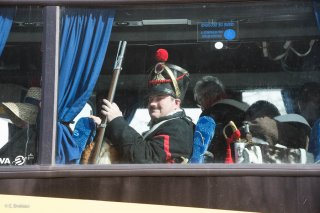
(292, 118)
(237, 104)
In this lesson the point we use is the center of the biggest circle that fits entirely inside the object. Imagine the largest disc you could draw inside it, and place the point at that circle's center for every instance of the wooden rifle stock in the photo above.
(116, 72)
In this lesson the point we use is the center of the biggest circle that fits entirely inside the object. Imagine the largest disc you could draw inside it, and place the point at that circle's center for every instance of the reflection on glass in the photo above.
(270, 52)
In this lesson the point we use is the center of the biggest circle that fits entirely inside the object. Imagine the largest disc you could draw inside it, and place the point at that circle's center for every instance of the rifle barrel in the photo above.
(112, 89)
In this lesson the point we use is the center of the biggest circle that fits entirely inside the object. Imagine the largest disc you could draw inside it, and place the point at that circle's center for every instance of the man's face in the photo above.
(162, 105)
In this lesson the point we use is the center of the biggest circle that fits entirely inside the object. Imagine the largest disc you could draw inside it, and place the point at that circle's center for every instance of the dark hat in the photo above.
(167, 78)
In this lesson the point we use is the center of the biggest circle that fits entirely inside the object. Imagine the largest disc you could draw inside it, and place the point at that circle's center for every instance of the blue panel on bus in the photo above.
(217, 31)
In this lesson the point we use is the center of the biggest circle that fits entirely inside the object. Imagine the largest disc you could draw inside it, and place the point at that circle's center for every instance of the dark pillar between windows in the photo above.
(50, 63)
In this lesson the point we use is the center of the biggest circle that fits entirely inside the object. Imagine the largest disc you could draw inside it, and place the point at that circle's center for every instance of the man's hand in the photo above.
(110, 110)
(95, 119)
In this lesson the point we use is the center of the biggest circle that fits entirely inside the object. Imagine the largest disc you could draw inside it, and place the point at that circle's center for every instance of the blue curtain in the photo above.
(85, 35)
(316, 7)
(314, 144)
(6, 18)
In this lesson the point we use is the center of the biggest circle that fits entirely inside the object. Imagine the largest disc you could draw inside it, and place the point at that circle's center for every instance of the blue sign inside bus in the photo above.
(217, 31)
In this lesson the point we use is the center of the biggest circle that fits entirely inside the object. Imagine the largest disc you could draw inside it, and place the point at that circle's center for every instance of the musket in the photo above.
(116, 72)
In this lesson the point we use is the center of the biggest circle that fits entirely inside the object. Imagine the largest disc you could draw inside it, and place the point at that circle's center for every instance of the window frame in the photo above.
(50, 70)
(46, 165)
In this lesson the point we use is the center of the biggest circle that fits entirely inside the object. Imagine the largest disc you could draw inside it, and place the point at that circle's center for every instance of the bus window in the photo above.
(260, 51)
(20, 70)
(272, 95)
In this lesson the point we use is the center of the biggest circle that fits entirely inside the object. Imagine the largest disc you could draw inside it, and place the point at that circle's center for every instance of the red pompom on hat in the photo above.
(167, 79)
(162, 55)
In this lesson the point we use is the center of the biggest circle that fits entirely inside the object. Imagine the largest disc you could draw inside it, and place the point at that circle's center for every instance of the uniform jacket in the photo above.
(222, 115)
(170, 140)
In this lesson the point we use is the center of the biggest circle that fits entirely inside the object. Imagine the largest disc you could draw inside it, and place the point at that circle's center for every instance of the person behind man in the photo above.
(262, 125)
(22, 145)
(170, 138)
(280, 137)
(210, 95)
(309, 101)
(260, 109)
(309, 107)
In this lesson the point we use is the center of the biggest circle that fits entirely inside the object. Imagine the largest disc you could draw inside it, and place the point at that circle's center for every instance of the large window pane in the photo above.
(20, 82)
(260, 51)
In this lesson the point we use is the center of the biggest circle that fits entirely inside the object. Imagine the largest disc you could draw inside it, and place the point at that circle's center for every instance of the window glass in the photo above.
(20, 70)
(273, 96)
(266, 56)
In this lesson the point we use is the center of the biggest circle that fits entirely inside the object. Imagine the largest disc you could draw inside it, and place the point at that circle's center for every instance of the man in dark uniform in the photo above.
(209, 93)
(170, 138)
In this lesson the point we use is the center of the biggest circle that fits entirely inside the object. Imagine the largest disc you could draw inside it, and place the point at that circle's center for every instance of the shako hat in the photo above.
(168, 79)
(26, 111)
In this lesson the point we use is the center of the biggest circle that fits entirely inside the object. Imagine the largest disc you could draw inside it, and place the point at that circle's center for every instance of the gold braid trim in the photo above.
(174, 81)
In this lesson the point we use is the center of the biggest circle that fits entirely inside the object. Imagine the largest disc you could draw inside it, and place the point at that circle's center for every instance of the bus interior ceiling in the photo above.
(257, 58)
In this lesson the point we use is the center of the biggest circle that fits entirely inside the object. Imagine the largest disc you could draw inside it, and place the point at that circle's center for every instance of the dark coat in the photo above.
(222, 115)
(22, 143)
(170, 142)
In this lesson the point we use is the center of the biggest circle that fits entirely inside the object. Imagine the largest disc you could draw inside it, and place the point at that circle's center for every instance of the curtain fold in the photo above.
(84, 39)
(6, 19)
